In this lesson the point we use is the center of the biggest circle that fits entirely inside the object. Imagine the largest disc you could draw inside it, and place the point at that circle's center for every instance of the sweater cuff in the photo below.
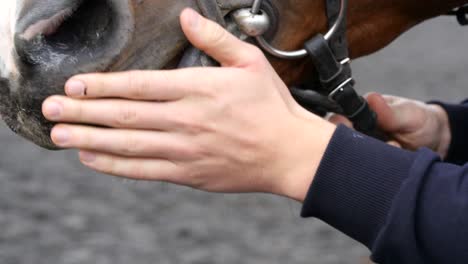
(457, 114)
(356, 183)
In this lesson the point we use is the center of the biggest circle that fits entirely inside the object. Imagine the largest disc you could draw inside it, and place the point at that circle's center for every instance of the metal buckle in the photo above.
(339, 88)
(289, 55)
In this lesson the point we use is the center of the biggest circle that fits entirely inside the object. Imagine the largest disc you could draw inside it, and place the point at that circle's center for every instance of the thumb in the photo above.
(214, 40)
(387, 117)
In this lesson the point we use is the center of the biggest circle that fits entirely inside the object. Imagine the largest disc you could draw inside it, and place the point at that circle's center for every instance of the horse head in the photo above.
(46, 42)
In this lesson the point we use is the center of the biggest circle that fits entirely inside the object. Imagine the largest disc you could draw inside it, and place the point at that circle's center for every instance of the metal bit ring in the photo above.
(297, 54)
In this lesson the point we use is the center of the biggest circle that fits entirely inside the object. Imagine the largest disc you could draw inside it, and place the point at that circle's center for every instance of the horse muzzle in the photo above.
(72, 33)
(54, 40)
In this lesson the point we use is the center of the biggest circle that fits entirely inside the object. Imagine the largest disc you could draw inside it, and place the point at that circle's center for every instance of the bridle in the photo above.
(333, 89)
(254, 23)
(330, 56)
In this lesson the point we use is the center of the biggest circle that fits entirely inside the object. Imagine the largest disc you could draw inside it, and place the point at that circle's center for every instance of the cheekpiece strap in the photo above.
(331, 61)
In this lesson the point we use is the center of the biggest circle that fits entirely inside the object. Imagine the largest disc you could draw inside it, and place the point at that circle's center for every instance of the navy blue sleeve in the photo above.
(458, 119)
(407, 207)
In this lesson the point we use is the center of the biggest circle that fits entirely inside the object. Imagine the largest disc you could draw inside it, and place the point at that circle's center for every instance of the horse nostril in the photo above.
(85, 27)
(74, 30)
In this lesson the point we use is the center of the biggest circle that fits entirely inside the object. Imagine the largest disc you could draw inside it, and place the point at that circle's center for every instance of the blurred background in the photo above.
(53, 210)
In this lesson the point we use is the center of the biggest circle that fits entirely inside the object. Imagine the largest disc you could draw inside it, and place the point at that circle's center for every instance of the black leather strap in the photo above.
(336, 77)
(314, 101)
(339, 42)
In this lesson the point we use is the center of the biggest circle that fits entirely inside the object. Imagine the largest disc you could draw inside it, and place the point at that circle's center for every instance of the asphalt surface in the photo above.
(52, 210)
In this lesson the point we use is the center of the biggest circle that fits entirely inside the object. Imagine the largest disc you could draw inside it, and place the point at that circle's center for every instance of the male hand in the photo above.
(229, 129)
(410, 124)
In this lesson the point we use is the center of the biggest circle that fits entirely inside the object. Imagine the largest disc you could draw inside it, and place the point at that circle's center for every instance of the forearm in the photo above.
(406, 207)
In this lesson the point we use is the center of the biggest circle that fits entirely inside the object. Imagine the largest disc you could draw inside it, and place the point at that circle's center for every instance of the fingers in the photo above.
(112, 113)
(216, 41)
(133, 168)
(390, 99)
(169, 85)
(172, 85)
(129, 143)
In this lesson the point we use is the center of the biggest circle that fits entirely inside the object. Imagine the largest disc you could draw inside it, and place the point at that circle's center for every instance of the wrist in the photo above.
(444, 131)
(306, 150)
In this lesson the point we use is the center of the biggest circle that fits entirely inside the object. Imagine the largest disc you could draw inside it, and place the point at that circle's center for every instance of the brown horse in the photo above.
(45, 42)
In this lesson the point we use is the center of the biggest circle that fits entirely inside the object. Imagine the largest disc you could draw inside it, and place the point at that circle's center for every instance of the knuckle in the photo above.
(168, 82)
(86, 140)
(77, 112)
(126, 116)
(193, 153)
(255, 52)
(257, 56)
(108, 165)
(96, 85)
(207, 91)
(206, 95)
(138, 172)
(218, 36)
(192, 125)
(137, 84)
(130, 147)
(200, 179)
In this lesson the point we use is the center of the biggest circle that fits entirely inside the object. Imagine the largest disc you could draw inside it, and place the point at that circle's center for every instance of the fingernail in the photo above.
(60, 136)
(193, 18)
(52, 109)
(87, 157)
(75, 88)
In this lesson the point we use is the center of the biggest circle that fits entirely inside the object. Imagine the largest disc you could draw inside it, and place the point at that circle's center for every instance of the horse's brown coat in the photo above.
(372, 24)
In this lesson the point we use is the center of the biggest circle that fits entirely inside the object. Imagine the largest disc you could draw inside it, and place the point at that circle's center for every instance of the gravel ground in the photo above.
(52, 210)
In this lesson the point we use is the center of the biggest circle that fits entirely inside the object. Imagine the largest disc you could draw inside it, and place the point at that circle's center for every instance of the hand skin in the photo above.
(230, 129)
(410, 124)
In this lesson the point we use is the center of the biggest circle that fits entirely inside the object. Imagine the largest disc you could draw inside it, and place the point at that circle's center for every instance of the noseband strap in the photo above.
(192, 56)
(210, 9)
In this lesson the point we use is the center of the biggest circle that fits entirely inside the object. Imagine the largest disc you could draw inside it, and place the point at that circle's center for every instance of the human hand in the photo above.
(229, 129)
(410, 124)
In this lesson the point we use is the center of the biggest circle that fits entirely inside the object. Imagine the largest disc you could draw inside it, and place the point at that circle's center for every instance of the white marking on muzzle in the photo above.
(8, 16)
